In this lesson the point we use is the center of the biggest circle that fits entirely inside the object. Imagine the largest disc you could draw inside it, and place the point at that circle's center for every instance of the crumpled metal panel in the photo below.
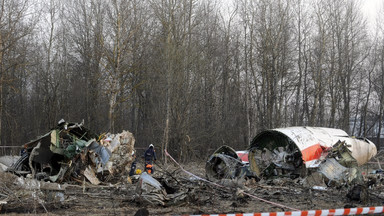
(149, 190)
(332, 170)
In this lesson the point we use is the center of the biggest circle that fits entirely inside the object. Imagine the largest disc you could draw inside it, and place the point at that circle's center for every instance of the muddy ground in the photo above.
(117, 196)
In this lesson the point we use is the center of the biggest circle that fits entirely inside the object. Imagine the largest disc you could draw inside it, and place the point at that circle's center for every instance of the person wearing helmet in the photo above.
(149, 157)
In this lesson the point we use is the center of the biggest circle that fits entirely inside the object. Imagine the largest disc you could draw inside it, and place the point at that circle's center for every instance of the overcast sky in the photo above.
(371, 8)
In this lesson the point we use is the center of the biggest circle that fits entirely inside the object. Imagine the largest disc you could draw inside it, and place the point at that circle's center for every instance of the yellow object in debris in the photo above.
(101, 136)
(138, 171)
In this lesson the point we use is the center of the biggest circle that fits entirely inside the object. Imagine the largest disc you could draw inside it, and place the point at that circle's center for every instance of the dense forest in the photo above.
(189, 75)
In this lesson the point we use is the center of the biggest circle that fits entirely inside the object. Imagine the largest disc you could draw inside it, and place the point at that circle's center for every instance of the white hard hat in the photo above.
(150, 145)
(108, 139)
(133, 153)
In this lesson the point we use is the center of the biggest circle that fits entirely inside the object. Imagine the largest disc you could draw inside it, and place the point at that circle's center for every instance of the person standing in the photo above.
(149, 157)
(133, 165)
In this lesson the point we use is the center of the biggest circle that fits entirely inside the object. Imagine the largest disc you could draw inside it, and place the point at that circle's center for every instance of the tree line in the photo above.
(189, 75)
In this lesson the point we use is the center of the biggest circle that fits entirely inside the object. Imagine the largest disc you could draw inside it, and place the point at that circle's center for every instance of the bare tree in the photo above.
(14, 28)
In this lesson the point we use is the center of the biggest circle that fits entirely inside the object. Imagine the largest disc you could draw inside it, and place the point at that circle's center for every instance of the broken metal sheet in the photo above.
(343, 155)
(149, 190)
(331, 169)
(340, 166)
(102, 152)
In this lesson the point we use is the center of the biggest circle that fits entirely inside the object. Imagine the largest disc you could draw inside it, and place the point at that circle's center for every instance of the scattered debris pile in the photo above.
(150, 191)
(71, 151)
(170, 188)
(289, 168)
(296, 152)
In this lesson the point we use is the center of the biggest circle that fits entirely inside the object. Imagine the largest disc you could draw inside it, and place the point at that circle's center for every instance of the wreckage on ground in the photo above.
(226, 163)
(70, 151)
(295, 152)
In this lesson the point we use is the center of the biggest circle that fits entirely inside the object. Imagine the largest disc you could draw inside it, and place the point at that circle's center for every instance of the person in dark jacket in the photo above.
(133, 165)
(149, 157)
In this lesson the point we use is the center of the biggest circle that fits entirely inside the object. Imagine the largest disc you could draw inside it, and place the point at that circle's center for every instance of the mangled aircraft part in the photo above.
(343, 154)
(150, 191)
(288, 151)
(102, 152)
(71, 150)
(271, 154)
(332, 170)
(339, 166)
(296, 152)
(224, 163)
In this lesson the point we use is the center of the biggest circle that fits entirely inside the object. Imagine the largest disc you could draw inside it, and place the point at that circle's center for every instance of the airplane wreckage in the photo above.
(70, 150)
(71, 153)
(295, 152)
